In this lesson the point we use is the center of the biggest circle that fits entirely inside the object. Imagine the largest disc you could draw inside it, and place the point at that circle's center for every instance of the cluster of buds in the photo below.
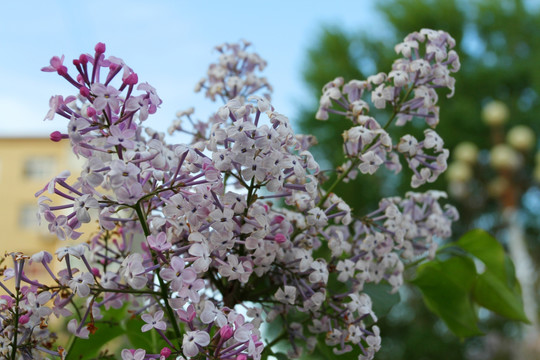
(206, 241)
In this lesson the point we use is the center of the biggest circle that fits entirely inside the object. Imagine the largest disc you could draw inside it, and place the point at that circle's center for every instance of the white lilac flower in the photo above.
(320, 271)
(159, 242)
(80, 283)
(286, 295)
(346, 269)
(177, 274)
(192, 340)
(203, 260)
(82, 204)
(191, 290)
(210, 313)
(370, 163)
(134, 271)
(36, 303)
(128, 354)
(76, 250)
(105, 96)
(153, 322)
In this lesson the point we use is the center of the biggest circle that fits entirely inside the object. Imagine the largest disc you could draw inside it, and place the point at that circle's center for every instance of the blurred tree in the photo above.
(499, 47)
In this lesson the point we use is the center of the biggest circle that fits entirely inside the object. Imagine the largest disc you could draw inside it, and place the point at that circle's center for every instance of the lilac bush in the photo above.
(205, 242)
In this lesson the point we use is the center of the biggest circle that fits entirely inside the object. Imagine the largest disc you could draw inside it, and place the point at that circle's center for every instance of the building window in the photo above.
(28, 217)
(39, 168)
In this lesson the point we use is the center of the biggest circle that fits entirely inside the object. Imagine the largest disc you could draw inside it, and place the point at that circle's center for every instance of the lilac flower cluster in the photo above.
(410, 90)
(207, 241)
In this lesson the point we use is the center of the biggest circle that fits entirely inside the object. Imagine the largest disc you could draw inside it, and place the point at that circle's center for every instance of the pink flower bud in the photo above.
(56, 136)
(100, 48)
(226, 332)
(278, 219)
(280, 238)
(24, 319)
(83, 59)
(95, 272)
(84, 91)
(76, 62)
(166, 352)
(62, 70)
(241, 357)
(132, 79)
(90, 111)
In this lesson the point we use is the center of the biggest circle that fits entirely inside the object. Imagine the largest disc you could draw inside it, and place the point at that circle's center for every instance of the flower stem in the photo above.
(163, 287)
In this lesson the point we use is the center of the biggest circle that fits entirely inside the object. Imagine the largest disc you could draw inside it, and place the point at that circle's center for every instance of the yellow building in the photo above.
(26, 165)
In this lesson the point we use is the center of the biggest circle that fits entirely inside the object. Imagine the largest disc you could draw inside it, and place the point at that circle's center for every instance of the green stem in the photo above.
(162, 285)
(337, 181)
(250, 192)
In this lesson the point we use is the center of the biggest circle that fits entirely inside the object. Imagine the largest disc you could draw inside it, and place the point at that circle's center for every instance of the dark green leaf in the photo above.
(281, 356)
(446, 286)
(496, 288)
(491, 293)
(382, 299)
(88, 348)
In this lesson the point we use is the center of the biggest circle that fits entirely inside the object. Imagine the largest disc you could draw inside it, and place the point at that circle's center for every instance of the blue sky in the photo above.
(168, 43)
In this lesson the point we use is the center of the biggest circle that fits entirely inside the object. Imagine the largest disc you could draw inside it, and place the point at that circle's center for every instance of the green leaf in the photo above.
(89, 348)
(280, 356)
(446, 286)
(487, 249)
(491, 293)
(382, 299)
(496, 288)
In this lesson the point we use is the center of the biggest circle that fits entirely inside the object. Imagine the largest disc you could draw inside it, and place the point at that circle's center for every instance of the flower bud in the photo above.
(95, 272)
(165, 352)
(495, 113)
(100, 48)
(62, 71)
(280, 238)
(90, 111)
(83, 59)
(226, 332)
(56, 136)
(131, 79)
(24, 319)
(521, 138)
(84, 91)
